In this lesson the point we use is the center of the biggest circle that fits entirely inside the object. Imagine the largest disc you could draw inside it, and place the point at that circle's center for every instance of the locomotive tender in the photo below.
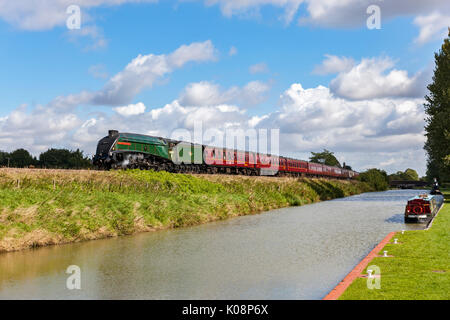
(130, 150)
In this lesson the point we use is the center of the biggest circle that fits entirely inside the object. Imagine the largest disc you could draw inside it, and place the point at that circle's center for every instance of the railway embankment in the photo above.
(417, 266)
(48, 207)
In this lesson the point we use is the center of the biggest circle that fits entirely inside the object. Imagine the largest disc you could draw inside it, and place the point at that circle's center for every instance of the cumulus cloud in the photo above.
(433, 26)
(336, 13)
(141, 73)
(334, 64)
(348, 13)
(377, 78)
(205, 93)
(144, 70)
(131, 109)
(36, 129)
(363, 133)
(432, 15)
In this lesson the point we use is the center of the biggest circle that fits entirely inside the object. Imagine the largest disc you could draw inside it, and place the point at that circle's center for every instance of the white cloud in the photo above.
(240, 7)
(141, 73)
(37, 129)
(90, 31)
(334, 64)
(253, 93)
(233, 51)
(364, 133)
(433, 26)
(258, 68)
(376, 78)
(432, 14)
(131, 109)
(33, 15)
(144, 70)
(45, 15)
(205, 93)
(346, 13)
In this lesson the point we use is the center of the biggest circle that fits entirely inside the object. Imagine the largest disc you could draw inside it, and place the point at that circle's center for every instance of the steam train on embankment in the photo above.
(133, 151)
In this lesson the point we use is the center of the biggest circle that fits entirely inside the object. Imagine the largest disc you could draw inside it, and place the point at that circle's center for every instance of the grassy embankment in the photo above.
(419, 268)
(44, 207)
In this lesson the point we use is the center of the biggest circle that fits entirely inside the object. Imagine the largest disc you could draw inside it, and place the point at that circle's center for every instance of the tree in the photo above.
(412, 174)
(376, 178)
(408, 174)
(63, 158)
(325, 157)
(21, 158)
(437, 109)
(4, 158)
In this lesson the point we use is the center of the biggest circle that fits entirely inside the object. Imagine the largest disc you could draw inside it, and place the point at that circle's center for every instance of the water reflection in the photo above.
(291, 253)
(396, 218)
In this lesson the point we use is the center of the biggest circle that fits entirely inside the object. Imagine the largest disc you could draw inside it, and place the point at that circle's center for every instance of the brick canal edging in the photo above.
(356, 272)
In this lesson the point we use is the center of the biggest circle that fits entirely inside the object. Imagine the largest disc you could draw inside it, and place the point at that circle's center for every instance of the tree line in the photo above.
(51, 159)
(380, 180)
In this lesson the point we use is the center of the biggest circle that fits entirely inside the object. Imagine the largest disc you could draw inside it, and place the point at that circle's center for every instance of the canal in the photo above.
(290, 253)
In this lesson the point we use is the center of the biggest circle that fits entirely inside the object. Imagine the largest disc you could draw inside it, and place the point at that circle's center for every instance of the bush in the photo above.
(375, 178)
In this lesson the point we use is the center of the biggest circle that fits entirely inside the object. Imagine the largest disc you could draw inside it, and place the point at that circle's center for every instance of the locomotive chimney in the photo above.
(113, 133)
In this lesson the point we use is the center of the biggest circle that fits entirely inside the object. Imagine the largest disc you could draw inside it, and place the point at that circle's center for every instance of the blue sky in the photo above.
(42, 60)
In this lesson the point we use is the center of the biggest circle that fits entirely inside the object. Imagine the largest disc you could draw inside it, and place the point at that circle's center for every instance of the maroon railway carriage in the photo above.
(127, 150)
(252, 163)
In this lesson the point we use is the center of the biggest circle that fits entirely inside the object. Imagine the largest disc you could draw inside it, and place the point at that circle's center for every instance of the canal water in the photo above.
(290, 253)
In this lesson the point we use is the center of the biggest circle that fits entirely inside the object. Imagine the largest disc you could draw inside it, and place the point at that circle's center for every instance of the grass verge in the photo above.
(45, 207)
(419, 268)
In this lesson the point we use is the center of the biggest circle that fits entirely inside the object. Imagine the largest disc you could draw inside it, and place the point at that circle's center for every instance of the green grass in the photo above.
(420, 268)
(43, 207)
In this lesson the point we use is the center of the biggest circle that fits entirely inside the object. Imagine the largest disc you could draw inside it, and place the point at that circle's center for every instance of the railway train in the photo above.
(130, 150)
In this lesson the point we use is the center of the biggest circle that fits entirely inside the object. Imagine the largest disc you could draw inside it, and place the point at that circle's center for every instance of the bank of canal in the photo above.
(291, 253)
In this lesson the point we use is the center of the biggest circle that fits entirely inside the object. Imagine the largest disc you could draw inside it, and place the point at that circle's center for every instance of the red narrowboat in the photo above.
(424, 206)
